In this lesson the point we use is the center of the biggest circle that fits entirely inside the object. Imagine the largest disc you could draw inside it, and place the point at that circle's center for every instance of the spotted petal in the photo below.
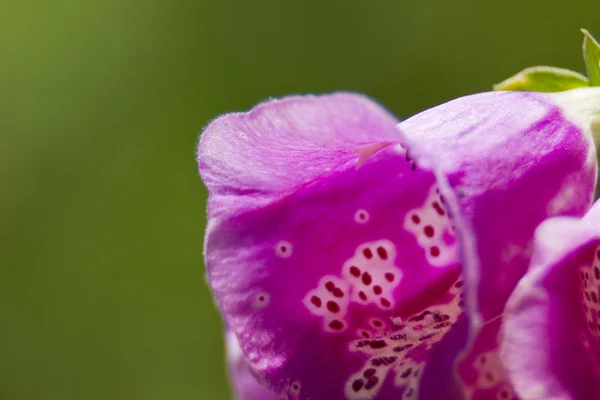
(505, 162)
(551, 341)
(337, 280)
(343, 282)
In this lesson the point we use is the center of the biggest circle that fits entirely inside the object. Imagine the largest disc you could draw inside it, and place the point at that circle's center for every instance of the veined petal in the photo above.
(510, 160)
(504, 162)
(250, 159)
(551, 344)
(336, 280)
(244, 383)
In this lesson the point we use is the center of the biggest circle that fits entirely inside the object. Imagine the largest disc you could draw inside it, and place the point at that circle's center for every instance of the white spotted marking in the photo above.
(433, 230)
(373, 274)
(261, 300)
(409, 375)
(590, 295)
(400, 348)
(294, 390)
(330, 300)
(283, 249)
(361, 216)
(505, 392)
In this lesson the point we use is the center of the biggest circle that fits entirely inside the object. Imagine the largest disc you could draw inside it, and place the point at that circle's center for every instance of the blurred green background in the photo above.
(102, 294)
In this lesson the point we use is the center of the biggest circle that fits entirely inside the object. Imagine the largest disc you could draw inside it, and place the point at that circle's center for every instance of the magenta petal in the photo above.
(511, 160)
(504, 162)
(337, 281)
(245, 385)
(249, 159)
(551, 341)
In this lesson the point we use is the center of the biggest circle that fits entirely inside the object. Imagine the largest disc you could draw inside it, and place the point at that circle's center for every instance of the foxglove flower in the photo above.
(339, 260)
(551, 341)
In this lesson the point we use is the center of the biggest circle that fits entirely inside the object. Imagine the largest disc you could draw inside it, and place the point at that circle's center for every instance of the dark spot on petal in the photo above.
(377, 289)
(594, 298)
(355, 271)
(597, 272)
(316, 301)
(489, 376)
(406, 372)
(378, 344)
(438, 208)
(389, 276)
(376, 362)
(382, 253)
(435, 251)
(415, 218)
(598, 254)
(369, 372)
(365, 334)
(368, 253)
(333, 306)
(366, 278)
(362, 295)
(329, 286)
(357, 385)
(377, 323)
(335, 324)
(459, 284)
(428, 231)
(385, 302)
(420, 316)
(337, 292)
(427, 336)
(371, 382)
(409, 392)
(587, 296)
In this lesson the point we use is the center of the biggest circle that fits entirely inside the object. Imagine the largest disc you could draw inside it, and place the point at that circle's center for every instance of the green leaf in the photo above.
(591, 55)
(543, 79)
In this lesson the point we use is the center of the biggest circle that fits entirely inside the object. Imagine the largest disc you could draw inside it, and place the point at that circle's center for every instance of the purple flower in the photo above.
(551, 341)
(339, 259)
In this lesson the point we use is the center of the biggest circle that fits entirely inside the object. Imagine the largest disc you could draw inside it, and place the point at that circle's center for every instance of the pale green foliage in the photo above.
(543, 79)
(552, 79)
(591, 55)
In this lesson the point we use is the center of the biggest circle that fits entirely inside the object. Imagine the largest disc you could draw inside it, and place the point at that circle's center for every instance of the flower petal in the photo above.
(337, 281)
(511, 160)
(551, 333)
(504, 162)
(250, 159)
(245, 385)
